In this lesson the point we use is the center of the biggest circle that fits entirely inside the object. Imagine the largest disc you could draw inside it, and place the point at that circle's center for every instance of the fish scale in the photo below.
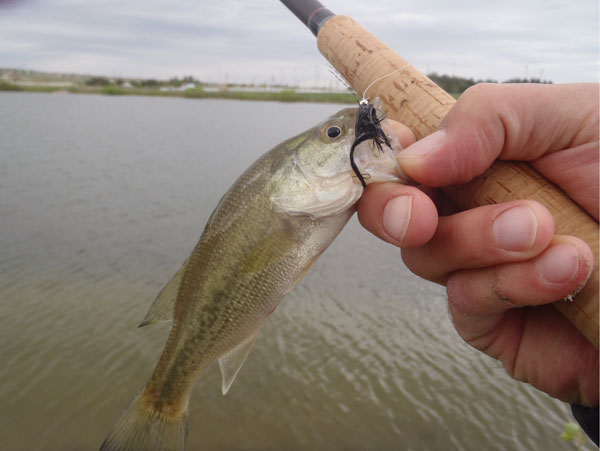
(262, 238)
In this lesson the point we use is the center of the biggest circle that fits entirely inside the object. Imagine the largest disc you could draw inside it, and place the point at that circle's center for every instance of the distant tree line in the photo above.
(451, 84)
(458, 85)
(97, 81)
(528, 80)
(141, 83)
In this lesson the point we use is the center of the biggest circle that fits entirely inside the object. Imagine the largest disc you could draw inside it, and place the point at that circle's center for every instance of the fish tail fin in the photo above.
(142, 428)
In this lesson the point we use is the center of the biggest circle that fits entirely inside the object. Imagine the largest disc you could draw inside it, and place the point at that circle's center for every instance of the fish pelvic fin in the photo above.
(231, 363)
(142, 428)
(164, 305)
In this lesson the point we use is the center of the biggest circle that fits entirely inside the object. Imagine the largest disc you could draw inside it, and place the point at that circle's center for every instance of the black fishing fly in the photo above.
(368, 126)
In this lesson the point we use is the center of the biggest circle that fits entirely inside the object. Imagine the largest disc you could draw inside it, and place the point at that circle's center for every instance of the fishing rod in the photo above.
(410, 97)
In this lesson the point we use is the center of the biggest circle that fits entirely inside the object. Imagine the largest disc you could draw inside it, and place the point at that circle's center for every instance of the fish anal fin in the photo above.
(163, 306)
(232, 362)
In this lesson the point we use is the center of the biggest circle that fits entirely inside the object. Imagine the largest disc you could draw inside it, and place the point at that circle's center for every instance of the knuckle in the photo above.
(459, 301)
(478, 93)
(476, 130)
(419, 263)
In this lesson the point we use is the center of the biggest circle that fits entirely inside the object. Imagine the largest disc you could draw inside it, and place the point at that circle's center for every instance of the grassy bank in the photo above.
(37, 81)
(5, 86)
(286, 95)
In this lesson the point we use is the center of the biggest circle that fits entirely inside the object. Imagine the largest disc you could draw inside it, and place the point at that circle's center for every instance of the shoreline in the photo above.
(285, 95)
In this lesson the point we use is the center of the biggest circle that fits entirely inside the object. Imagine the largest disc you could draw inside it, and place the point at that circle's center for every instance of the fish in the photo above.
(264, 235)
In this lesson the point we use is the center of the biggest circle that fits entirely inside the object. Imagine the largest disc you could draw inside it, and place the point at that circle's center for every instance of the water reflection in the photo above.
(102, 198)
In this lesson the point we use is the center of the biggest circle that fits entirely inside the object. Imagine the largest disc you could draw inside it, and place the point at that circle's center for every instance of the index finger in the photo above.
(509, 122)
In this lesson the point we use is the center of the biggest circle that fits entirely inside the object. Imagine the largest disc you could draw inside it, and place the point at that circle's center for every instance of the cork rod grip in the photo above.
(410, 97)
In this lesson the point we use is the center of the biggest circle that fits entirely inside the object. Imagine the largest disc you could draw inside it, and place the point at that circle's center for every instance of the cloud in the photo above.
(260, 41)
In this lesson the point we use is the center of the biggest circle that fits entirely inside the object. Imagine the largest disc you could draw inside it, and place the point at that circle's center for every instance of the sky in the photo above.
(260, 41)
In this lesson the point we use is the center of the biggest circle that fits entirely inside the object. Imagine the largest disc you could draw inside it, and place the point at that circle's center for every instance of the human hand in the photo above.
(497, 259)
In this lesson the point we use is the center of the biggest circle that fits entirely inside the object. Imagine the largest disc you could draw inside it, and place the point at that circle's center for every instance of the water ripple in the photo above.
(97, 216)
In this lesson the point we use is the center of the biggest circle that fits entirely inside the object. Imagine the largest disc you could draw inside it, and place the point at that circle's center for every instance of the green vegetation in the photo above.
(189, 87)
(97, 81)
(457, 85)
(528, 80)
(113, 90)
(6, 86)
(452, 85)
(285, 95)
(573, 433)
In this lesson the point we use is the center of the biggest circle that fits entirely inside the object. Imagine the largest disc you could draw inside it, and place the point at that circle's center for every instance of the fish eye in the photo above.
(333, 131)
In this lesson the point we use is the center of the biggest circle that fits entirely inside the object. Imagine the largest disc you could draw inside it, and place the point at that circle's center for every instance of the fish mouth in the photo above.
(381, 165)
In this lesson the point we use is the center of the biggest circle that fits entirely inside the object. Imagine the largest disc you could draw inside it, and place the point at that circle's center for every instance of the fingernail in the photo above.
(426, 145)
(559, 264)
(396, 216)
(515, 229)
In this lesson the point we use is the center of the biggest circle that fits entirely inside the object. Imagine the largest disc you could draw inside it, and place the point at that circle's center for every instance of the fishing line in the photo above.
(364, 96)
(341, 79)
(368, 126)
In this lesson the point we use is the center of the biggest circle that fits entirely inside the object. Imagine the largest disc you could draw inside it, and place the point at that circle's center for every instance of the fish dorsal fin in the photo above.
(232, 362)
(163, 306)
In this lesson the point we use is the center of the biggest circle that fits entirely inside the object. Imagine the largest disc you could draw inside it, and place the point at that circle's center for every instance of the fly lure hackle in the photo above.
(368, 126)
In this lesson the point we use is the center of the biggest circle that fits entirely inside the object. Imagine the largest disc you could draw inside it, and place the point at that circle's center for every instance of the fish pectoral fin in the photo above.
(232, 362)
(267, 252)
(163, 306)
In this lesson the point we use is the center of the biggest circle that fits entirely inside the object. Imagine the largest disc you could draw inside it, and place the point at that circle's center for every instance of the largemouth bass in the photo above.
(264, 235)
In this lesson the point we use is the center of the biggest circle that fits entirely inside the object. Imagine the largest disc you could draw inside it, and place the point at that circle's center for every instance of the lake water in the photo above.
(102, 198)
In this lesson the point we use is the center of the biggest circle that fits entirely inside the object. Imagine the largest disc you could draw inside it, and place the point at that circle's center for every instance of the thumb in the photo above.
(509, 122)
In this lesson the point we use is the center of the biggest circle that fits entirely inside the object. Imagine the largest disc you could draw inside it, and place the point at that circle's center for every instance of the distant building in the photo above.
(186, 86)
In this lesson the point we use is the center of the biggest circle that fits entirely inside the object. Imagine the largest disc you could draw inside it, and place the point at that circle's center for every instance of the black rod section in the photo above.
(310, 12)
